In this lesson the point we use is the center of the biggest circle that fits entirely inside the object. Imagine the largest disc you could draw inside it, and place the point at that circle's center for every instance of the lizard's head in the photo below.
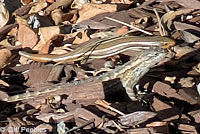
(167, 42)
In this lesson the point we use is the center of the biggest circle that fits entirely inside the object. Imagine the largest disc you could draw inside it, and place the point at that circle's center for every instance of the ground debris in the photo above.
(53, 54)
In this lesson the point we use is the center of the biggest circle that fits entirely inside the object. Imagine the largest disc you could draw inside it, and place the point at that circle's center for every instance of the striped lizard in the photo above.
(103, 48)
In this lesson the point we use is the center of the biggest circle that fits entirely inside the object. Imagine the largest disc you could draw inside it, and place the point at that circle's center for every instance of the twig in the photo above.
(129, 25)
(117, 126)
(161, 28)
(106, 105)
(82, 126)
(14, 75)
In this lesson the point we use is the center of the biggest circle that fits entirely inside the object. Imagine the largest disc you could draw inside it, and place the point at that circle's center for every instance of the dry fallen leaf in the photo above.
(157, 124)
(169, 16)
(170, 79)
(45, 48)
(13, 31)
(77, 4)
(142, 21)
(186, 31)
(90, 10)
(5, 43)
(51, 1)
(56, 41)
(181, 51)
(56, 16)
(26, 2)
(185, 26)
(113, 1)
(4, 15)
(59, 51)
(56, 4)
(193, 4)
(80, 37)
(95, 24)
(46, 33)
(188, 37)
(187, 82)
(4, 83)
(122, 30)
(38, 7)
(27, 36)
(5, 55)
(21, 21)
(70, 17)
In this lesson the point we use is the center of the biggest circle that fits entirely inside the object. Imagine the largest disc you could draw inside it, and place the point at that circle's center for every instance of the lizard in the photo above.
(102, 48)
(129, 74)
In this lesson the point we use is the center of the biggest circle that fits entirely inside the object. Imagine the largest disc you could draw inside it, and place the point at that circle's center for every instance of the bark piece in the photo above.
(56, 117)
(187, 129)
(3, 94)
(38, 73)
(189, 95)
(184, 94)
(193, 4)
(132, 119)
(166, 90)
(78, 92)
(23, 10)
(185, 26)
(196, 115)
(159, 127)
(86, 115)
(7, 28)
(140, 131)
(43, 129)
(55, 73)
(165, 111)
(18, 69)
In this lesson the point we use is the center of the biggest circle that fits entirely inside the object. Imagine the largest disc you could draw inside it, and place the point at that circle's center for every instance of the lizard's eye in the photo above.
(165, 43)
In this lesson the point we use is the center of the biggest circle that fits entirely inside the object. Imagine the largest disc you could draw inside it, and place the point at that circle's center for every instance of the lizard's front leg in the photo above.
(131, 72)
